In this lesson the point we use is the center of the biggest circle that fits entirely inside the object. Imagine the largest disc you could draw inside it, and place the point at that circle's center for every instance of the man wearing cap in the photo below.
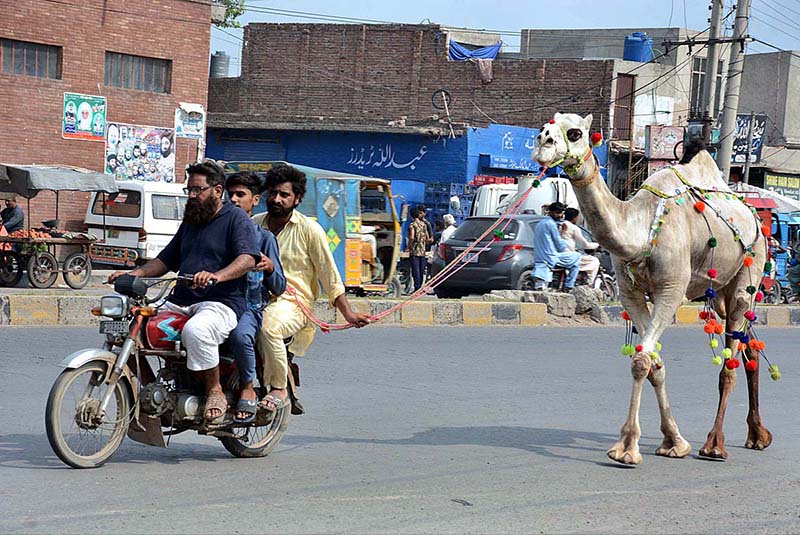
(551, 251)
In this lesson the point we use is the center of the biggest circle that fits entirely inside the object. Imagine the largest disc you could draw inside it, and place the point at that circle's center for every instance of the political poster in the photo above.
(145, 153)
(739, 154)
(84, 117)
(190, 121)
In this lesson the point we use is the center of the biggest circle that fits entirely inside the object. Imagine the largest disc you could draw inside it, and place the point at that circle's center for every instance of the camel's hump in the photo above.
(702, 172)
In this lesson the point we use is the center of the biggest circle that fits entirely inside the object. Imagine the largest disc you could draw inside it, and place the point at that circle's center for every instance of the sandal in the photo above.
(247, 406)
(274, 400)
(215, 400)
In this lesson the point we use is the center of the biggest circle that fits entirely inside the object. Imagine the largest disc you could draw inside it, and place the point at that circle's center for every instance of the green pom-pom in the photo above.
(536, 183)
(628, 350)
(658, 346)
(727, 353)
(768, 267)
(716, 360)
(708, 196)
(712, 241)
(655, 356)
(713, 343)
(774, 372)
(751, 290)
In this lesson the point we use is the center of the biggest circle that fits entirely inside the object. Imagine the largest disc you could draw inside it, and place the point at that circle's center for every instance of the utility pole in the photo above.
(735, 68)
(712, 62)
(746, 173)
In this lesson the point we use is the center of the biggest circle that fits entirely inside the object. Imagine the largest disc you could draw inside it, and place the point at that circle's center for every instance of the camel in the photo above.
(680, 235)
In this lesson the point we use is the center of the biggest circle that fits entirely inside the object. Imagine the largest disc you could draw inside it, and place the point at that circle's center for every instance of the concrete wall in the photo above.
(30, 122)
(371, 74)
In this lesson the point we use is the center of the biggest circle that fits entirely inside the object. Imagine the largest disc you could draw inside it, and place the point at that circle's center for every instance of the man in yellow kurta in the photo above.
(307, 262)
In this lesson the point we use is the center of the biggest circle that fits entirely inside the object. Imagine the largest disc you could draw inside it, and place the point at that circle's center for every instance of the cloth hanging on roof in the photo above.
(484, 69)
(458, 52)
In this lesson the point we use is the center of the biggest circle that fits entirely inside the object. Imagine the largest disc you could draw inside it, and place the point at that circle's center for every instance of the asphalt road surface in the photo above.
(425, 430)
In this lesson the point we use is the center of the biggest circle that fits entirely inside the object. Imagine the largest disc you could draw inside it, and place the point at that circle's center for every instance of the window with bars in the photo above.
(30, 59)
(138, 72)
(698, 80)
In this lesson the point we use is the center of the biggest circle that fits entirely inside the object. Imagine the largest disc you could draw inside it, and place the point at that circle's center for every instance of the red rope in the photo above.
(449, 270)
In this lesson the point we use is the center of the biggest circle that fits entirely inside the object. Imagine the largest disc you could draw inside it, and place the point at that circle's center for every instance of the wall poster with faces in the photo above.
(145, 153)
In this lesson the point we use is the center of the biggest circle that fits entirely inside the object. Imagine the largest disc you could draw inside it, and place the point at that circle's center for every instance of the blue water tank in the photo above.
(638, 47)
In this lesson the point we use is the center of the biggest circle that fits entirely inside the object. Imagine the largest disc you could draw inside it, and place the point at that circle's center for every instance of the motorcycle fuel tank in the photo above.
(164, 329)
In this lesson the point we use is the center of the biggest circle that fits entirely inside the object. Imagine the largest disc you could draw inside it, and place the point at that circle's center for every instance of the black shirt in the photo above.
(211, 248)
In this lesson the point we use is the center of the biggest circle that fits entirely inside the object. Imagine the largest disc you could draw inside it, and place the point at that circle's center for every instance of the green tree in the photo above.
(233, 10)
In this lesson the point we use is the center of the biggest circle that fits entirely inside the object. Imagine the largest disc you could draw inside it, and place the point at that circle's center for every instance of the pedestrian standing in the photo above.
(419, 238)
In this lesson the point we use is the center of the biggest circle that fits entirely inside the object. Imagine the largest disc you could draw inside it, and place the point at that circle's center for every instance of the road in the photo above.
(424, 430)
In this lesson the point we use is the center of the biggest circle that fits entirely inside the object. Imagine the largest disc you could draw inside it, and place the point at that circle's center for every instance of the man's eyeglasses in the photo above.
(195, 190)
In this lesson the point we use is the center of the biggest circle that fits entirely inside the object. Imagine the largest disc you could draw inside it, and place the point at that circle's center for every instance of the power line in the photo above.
(791, 25)
(762, 21)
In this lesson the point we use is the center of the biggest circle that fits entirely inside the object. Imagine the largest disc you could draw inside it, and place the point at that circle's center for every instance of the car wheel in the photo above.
(525, 281)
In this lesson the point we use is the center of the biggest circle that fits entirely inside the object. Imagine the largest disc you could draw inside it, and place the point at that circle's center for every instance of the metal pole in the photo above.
(735, 68)
(630, 144)
(712, 62)
(746, 173)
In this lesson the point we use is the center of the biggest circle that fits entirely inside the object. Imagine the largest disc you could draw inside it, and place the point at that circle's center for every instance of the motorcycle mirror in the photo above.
(130, 286)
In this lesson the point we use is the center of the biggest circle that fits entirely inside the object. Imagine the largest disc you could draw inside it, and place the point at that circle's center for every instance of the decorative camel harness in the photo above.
(746, 338)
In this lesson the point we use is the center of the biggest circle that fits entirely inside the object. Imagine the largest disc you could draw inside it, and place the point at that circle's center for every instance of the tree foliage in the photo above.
(233, 10)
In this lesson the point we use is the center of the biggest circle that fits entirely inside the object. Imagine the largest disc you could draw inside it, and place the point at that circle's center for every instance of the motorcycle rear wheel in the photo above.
(70, 432)
(606, 283)
(259, 440)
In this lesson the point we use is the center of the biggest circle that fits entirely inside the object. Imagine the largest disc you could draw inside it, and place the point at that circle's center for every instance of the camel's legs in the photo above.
(715, 443)
(758, 436)
(626, 450)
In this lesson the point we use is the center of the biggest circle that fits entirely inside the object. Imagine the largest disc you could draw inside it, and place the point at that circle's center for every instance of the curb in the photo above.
(22, 310)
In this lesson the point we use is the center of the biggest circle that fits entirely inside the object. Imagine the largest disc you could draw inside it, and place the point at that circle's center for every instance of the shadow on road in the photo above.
(541, 441)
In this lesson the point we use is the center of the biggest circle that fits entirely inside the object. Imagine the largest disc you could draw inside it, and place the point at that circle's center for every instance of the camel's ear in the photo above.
(587, 122)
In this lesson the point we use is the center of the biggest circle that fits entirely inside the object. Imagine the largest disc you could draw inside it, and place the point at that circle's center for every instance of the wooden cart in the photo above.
(42, 266)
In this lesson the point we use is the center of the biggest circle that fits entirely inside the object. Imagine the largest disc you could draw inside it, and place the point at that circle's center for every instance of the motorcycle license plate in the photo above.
(113, 327)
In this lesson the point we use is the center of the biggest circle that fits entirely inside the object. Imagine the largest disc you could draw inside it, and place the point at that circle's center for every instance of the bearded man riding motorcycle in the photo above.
(218, 243)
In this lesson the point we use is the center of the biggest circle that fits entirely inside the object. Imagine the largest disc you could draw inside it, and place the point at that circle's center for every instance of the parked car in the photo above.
(139, 221)
(507, 263)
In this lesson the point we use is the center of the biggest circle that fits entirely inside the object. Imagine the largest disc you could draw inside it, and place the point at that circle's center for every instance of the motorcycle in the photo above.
(605, 282)
(138, 385)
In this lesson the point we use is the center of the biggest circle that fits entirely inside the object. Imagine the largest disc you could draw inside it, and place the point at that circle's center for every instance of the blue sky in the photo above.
(512, 15)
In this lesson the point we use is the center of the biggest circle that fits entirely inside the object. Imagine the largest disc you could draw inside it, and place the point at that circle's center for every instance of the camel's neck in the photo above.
(613, 224)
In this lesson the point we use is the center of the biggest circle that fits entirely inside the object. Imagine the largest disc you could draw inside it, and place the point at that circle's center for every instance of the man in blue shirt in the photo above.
(244, 190)
(12, 217)
(216, 242)
(550, 251)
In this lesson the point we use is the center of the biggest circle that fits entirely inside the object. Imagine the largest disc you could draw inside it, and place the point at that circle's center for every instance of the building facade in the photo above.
(144, 58)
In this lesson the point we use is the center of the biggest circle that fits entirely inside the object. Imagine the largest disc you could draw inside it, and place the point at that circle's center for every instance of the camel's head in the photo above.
(564, 140)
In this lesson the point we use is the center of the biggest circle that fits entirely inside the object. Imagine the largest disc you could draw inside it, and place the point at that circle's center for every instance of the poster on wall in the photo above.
(145, 153)
(740, 138)
(84, 117)
(190, 121)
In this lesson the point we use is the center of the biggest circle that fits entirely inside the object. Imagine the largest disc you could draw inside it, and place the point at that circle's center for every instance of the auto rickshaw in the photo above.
(360, 221)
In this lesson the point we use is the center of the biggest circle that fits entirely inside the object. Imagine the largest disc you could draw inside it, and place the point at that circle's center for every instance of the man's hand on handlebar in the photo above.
(204, 278)
(117, 274)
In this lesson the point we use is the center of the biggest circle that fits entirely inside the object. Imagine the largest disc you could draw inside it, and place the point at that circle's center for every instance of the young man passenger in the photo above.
(244, 190)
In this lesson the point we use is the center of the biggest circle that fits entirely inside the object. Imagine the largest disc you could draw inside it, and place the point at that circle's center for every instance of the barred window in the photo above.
(138, 72)
(30, 59)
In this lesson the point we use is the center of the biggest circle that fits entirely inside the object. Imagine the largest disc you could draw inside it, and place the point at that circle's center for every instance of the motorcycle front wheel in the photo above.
(79, 434)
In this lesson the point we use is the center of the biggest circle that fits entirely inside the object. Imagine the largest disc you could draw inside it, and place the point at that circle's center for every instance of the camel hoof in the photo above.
(714, 453)
(624, 456)
(761, 441)
(676, 452)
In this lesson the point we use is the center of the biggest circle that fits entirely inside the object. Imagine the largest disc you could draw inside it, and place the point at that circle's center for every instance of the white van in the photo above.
(489, 197)
(140, 220)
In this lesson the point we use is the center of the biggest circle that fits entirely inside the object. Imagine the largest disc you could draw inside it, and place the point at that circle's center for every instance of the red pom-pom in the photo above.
(552, 121)
(708, 328)
(700, 206)
(597, 138)
(751, 365)
(718, 328)
(759, 297)
(748, 261)
(703, 315)
(766, 230)
(626, 316)
(732, 364)
(639, 348)
(712, 273)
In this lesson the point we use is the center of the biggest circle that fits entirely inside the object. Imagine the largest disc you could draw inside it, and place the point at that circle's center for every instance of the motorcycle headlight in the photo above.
(113, 306)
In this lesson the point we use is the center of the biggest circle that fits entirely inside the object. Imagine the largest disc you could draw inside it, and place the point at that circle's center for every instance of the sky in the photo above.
(774, 21)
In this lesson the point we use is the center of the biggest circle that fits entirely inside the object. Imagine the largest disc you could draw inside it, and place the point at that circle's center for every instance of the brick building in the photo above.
(51, 47)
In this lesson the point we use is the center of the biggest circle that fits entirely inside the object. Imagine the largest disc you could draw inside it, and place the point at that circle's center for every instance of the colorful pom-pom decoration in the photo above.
(750, 315)
(626, 316)
(713, 343)
(655, 355)
(716, 360)
(751, 290)
(658, 346)
(627, 350)
(639, 348)
(719, 329)
(552, 121)
(737, 335)
(711, 293)
(703, 315)
(767, 267)
(774, 373)
(727, 353)
(766, 230)
(748, 261)
(537, 183)
(732, 364)
(597, 139)
(712, 273)
(759, 297)
(708, 328)
(751, 365)
(712, 241)
(700, 206)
